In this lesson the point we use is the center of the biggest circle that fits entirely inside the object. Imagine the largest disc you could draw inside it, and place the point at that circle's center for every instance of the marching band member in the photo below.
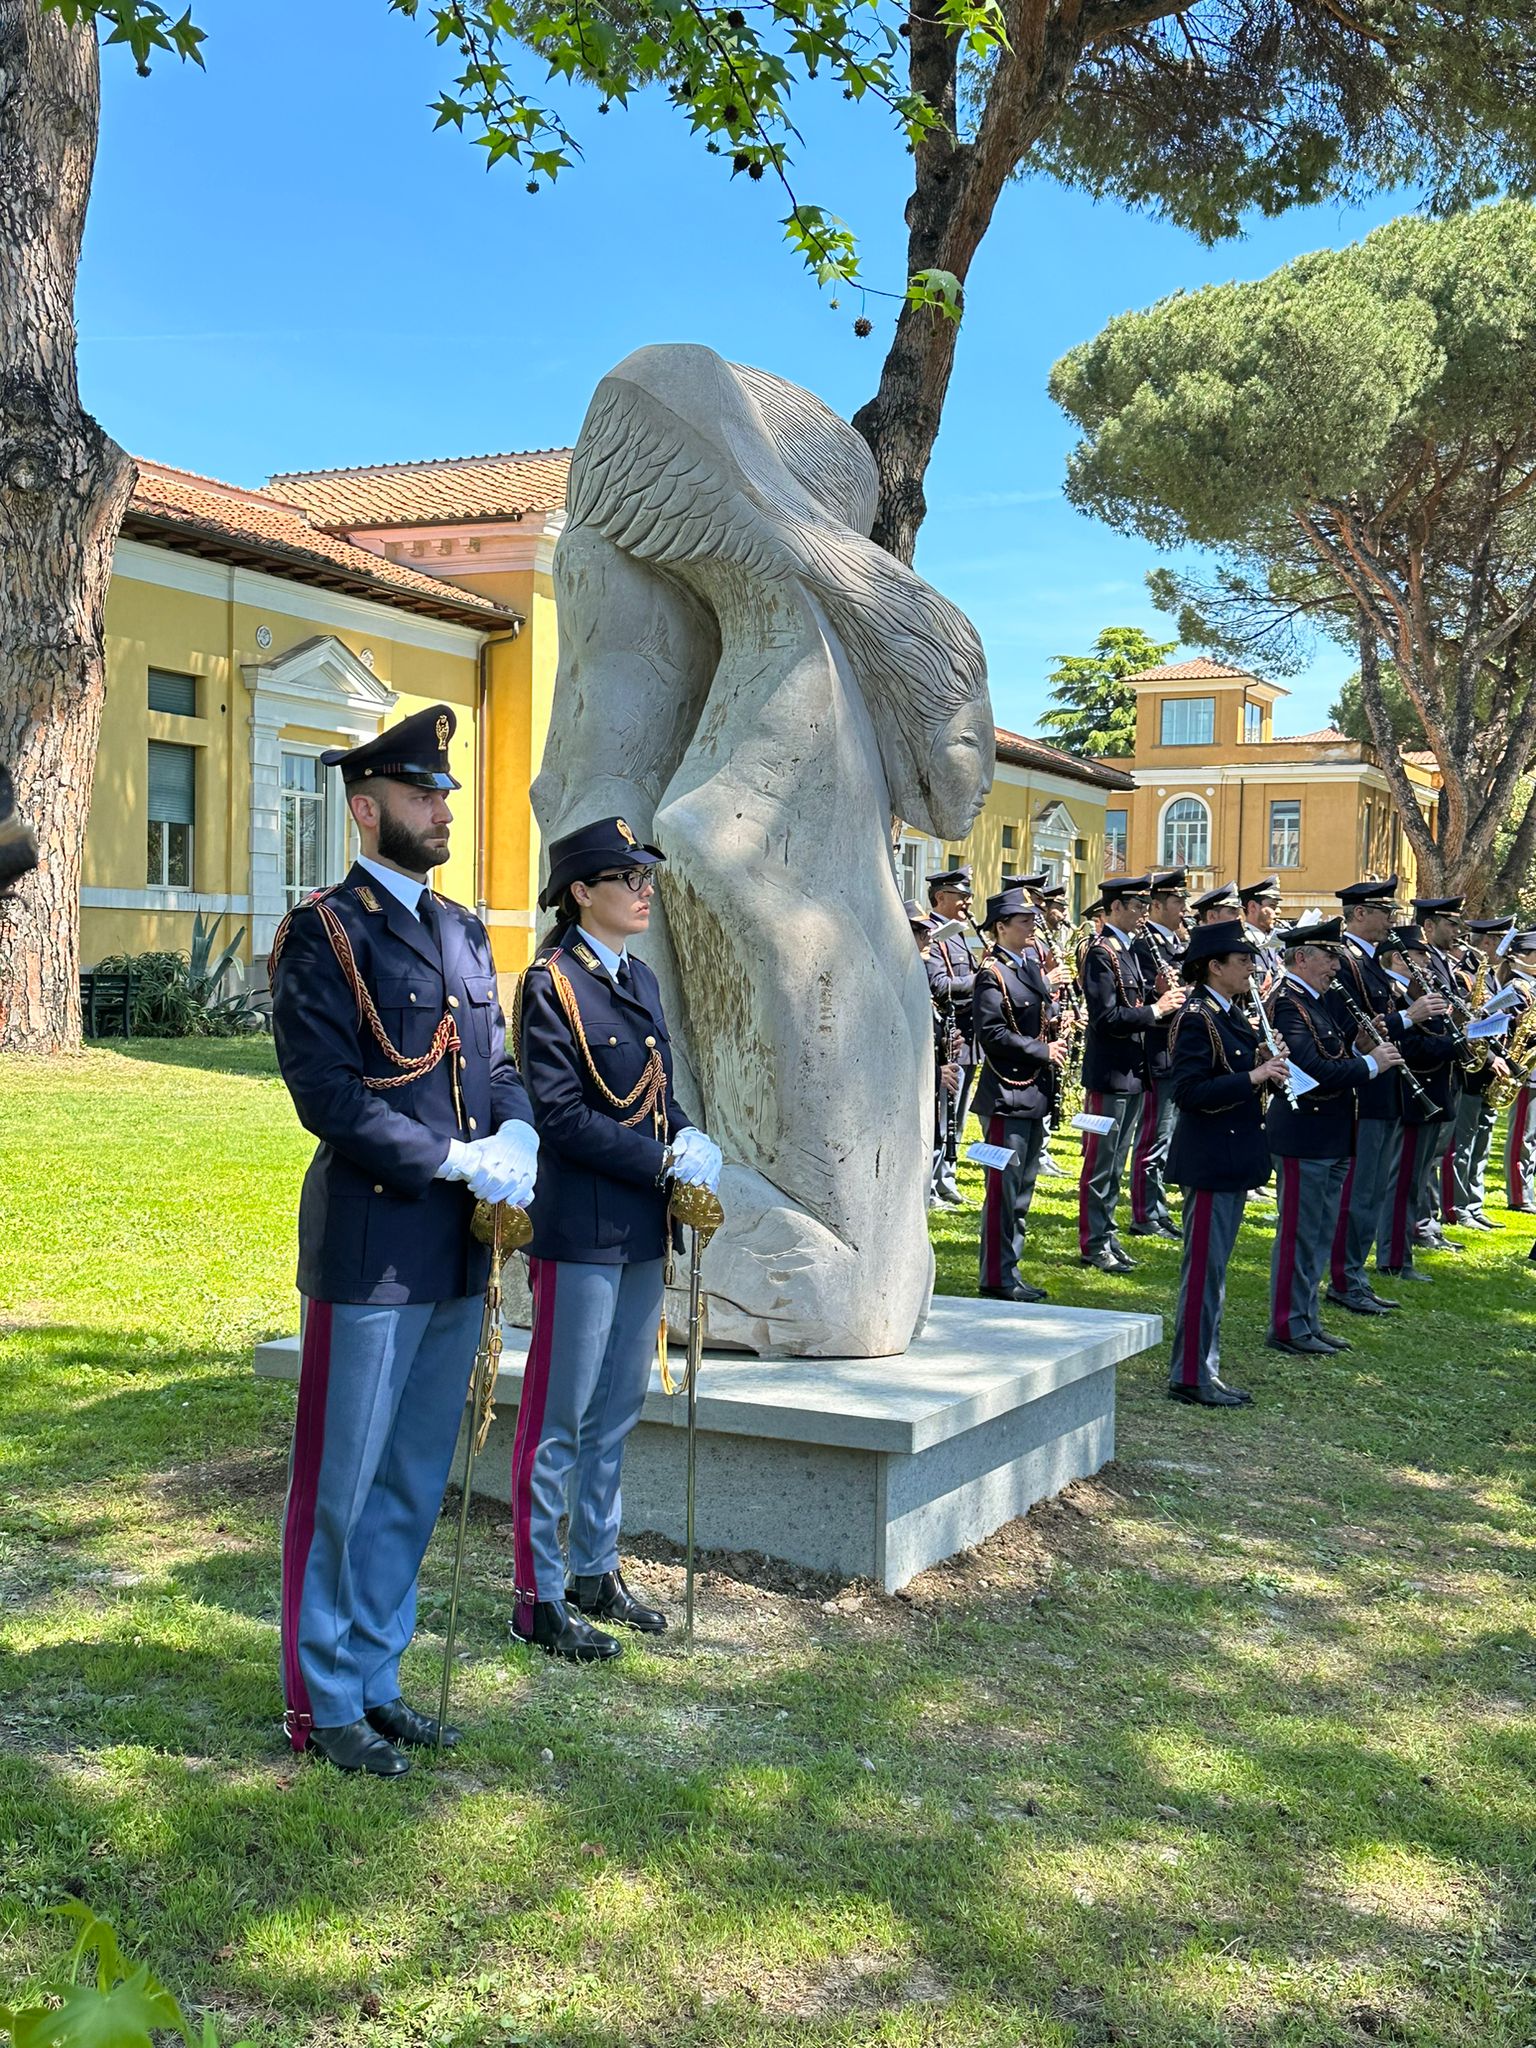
(598, 1067)
(1218, 906)
(390, 1039)
(1159, 948)
(1312, 1141)
(949, 896)
(1363, 989)
(1467, 1162)
(1430, 1054)
(1260, 903)
(1439, 921)
(1220, 1070)
(1520, 1138)
(1019, 1061)
(946, 1040)
(1120, 1007)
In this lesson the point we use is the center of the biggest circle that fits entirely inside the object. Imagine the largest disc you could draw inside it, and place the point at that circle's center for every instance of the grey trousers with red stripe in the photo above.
(1211, 1220)
(1400, 1196)
(589, 1366)
(381, 1391)
(1308, 1193)
(1360, 1211)
(1098, 1186)
(1520, 1154)
(1149, 1156)
(1009, 1192)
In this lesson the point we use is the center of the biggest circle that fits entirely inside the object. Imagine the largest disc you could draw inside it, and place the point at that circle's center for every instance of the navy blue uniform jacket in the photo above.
(374, 1225)
(1322, 1125)
(1155, 949)
(1218, 1141)
(598, 1201)
(952, 984)
(1011, 1007)
(1378, 995)
(1120, 1011)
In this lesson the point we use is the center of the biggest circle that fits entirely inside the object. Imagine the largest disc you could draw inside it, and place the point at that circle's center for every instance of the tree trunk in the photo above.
(63, 488)
(955, 192)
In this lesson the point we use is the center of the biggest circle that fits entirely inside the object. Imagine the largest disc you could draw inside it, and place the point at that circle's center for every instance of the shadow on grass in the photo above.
(254, 1055)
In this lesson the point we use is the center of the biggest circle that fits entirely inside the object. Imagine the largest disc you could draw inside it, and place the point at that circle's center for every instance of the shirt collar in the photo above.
(611, 960)
(1364, 944)
(1121, 939)
(1217, 997)
(404, 888)
(1305, 986)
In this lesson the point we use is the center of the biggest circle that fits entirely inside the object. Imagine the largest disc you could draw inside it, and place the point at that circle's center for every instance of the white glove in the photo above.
(697, 1160)
(460, 1163)
(517, 1155)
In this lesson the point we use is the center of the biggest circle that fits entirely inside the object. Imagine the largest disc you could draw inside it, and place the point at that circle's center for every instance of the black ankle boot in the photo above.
(609, 1599)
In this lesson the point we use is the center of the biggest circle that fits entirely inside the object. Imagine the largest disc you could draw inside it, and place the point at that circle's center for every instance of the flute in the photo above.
(1414, 1085)
(1273, 1046)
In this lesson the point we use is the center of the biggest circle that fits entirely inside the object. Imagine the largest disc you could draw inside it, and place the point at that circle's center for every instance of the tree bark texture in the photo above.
(955, 192)
(63, 489)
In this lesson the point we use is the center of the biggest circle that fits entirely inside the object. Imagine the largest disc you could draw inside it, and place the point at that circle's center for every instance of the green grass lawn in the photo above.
(1234, 1744)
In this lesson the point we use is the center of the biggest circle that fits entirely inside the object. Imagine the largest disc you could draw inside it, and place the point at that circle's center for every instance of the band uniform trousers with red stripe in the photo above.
(1520, 1152)
(1311, 1145)
(391, 1279)
(1465, 1174)
(1218, 1153)
(1157, 949)
(1119, 1006)
(598, 1254)
(1426, 1128)
(1015, 1092)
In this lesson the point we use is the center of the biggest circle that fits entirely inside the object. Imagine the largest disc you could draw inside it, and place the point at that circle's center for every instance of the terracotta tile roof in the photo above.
(1021, 752)
(1197, 671)
(178, 508)
(460, 487)
(1324, 733)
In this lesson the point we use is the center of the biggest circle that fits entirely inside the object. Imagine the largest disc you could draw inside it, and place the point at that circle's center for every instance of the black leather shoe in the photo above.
(1123, 1258)
(1299, 1347)
(562, 1632)
(609, 1599)
(1470, 1221)
(1405, 1273)
(1022, 1292)
(357, 1747)
(1214, 1394)
(1362, 1304)
(408, 1729)
(1102, 1261)
(1326, 1337)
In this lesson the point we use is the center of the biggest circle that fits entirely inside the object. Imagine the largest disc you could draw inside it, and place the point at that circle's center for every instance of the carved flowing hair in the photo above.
(686, 460)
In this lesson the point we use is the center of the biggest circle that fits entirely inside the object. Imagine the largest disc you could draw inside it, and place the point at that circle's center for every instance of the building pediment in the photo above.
(319, 682)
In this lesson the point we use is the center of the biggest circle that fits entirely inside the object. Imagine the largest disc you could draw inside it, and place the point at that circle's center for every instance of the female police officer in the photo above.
(597, 1066)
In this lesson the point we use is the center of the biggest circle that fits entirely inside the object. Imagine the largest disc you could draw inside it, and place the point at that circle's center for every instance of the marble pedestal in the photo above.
(874, 1468)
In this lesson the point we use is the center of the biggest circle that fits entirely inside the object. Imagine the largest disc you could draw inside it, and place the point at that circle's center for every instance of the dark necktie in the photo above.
(622, 976)
(428, 917)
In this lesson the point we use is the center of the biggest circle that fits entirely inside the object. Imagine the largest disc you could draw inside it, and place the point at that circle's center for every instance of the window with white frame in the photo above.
(305, 838)
(1253, 724)
(1116, 835)
(172, 814)
(912, 869)
(1188, 721)
(1186, 834)
(1285, 833)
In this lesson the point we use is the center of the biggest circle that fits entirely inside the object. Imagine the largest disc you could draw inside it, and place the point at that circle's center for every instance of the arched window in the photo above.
(1186, 834)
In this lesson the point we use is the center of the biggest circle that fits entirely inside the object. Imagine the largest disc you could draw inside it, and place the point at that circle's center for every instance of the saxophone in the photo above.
(1478, 1052)
(1501, 1091)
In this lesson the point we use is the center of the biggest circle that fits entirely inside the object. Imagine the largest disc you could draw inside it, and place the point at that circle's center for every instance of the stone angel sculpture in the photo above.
(759, 689)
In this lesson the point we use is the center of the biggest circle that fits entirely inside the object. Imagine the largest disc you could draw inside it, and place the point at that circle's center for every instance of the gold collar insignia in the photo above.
(588, 958)
(366, 897)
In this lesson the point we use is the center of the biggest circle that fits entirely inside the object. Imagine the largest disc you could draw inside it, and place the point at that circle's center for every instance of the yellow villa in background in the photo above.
(1218, 792)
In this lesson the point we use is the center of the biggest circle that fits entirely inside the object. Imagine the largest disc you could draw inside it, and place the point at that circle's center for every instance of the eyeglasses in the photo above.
(634, 879)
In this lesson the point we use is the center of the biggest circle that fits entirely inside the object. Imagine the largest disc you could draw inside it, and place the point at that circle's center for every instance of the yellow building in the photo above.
(1218, 792)
(247, 630)
(1046, 810)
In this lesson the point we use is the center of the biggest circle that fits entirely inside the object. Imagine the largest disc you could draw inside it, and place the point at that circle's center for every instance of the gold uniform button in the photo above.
(650, 1041)
(613, 1041)
(463, 1061)
(473, 1125)
(453, 1002)
(413, 995)
(378, 1187)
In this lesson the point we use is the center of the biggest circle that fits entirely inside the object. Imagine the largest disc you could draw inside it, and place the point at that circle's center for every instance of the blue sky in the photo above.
(286, 268)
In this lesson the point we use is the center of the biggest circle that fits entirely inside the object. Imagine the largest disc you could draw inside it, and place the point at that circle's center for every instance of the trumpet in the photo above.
(1273, 1047)
(1411, 1080)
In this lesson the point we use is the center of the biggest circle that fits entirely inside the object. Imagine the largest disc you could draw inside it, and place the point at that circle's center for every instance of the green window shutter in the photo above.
(172, 780)
(173, 693)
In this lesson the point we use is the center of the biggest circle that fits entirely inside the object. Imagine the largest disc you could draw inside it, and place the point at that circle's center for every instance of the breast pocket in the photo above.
(409, 1007)
(480, 1000)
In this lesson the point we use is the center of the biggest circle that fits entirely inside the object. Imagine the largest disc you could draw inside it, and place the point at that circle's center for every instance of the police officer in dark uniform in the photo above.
(1260, 910)
(1439, 922)
(1121, 1005)
(951, 979)
(1476, 1115)
(1159, 947)
(389, 1036)
(1311, 1142)
(1219, 905)
(1364, 989)
(1019, 1059)
(1431, 1055)
(597, 1061)
(1220, 1071)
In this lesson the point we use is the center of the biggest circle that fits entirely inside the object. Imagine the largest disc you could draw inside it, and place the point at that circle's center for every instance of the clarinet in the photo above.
(1273, 1047)
(1363, 1023)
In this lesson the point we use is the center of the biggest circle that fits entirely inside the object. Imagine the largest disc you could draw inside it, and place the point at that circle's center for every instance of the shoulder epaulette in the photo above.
(280, 936)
